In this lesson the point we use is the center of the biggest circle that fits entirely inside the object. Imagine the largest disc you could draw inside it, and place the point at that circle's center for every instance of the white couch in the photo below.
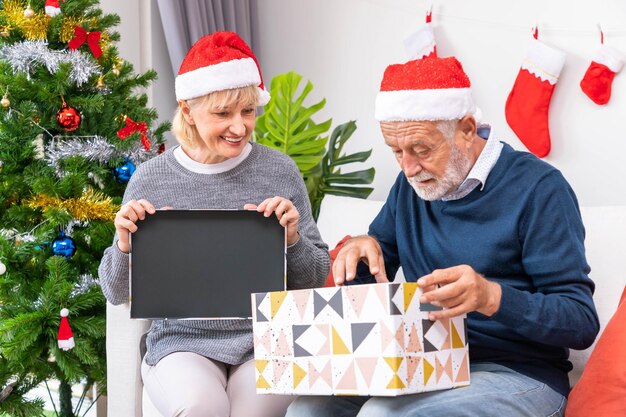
(606, 253)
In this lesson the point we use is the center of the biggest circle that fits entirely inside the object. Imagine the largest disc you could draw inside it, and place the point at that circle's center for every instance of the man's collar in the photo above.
(482, 167)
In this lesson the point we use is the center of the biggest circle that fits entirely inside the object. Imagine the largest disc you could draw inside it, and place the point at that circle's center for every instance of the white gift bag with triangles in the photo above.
(373, 339)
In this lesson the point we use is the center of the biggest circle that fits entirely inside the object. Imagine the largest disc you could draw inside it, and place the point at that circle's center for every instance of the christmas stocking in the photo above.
(421, 44)
(596, 83)
(527, 105)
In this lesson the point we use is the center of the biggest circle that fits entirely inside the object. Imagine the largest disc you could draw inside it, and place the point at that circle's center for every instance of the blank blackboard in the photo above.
(204, 263)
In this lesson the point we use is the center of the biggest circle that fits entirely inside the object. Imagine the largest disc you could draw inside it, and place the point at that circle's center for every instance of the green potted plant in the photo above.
(287, 125)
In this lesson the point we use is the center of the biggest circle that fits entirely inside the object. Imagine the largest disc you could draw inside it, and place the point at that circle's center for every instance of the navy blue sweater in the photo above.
(524, 231)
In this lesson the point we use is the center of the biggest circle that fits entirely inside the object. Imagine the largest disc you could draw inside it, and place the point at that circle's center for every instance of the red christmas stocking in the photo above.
(527, 105)
(596, 83)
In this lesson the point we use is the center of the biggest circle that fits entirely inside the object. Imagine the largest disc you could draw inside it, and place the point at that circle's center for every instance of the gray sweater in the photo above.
(164, 182)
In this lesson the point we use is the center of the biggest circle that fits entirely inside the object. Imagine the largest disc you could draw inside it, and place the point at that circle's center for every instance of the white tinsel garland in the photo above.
(24, 55)
(96, 149)
(84, 285)
(69, 228)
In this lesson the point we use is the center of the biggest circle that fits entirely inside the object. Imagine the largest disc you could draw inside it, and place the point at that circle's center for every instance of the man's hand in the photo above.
(360, 248)
(460, 290)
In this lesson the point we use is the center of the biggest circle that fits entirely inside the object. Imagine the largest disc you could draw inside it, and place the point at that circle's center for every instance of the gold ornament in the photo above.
(101, 86)
(29, 13)
(119, 62)
(91, 205)
(5, 102)
(5, 30)
(121, 119)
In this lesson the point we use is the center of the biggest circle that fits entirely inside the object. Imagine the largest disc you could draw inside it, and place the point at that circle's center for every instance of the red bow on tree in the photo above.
(132, 127)
(92, 38)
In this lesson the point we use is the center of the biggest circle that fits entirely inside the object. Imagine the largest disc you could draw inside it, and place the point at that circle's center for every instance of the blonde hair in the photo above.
(187, 134)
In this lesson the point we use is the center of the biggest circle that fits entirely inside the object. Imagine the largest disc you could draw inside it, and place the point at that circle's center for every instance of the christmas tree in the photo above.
(73, 127)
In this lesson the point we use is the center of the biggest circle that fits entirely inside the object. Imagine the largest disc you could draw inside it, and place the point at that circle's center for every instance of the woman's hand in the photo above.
(126, 221)
(287, 214)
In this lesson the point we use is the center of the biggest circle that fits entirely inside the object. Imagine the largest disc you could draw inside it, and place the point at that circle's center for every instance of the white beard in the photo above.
(456, 170)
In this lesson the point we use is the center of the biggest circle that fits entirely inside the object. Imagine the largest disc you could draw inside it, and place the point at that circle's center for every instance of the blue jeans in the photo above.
(495, 391)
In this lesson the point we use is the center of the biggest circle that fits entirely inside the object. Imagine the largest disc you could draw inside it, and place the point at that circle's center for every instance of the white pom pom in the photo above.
(3, 268)
(52, 11)
(64, 312)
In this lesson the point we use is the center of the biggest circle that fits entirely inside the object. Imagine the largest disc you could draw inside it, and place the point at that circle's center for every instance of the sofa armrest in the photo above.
(124, 385)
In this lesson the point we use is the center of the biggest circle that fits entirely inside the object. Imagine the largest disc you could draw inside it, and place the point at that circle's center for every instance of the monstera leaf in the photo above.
(287, 125)
(327, 178)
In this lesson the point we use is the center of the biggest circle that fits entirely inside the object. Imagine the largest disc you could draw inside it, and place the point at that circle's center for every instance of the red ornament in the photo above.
(68, 118)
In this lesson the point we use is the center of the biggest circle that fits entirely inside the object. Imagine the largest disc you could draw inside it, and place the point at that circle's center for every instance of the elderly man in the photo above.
(485, 230)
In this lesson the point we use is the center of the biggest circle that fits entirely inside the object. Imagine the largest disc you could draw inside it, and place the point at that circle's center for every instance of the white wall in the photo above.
(344, 46)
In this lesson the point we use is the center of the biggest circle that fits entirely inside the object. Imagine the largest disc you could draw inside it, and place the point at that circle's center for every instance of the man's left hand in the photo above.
(460, 290)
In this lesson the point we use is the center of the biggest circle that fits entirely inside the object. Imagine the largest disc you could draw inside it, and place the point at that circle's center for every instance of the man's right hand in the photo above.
(126, 219)
(360, 248)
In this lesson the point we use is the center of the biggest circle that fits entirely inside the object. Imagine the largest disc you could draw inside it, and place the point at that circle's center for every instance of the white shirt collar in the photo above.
(481, 169)
(200, 168)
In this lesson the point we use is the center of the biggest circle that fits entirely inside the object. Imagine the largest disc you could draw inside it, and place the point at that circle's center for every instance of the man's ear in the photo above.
(186, 111)
(467, 126)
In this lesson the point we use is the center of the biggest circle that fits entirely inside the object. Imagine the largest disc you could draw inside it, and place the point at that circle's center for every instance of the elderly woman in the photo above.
(206, 367)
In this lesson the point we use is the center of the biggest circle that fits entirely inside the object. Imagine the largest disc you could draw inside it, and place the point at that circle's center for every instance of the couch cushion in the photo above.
(340, 216)
(601, 390)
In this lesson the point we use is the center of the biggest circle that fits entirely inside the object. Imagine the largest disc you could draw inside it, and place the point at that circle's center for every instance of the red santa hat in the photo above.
(431, 88)
(65, 336)
(52, 7)
(219, 61)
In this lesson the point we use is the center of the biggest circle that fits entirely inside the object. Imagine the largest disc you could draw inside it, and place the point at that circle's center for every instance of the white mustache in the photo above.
(421, 177)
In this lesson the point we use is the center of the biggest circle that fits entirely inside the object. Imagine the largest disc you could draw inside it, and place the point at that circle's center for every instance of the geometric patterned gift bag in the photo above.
(372, 339)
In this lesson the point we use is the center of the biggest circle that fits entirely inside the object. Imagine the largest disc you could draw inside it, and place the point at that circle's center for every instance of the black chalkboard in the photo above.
(204, 263)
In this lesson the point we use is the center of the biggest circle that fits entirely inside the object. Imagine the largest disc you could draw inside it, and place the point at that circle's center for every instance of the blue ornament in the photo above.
(123, 172)
(63, 246)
